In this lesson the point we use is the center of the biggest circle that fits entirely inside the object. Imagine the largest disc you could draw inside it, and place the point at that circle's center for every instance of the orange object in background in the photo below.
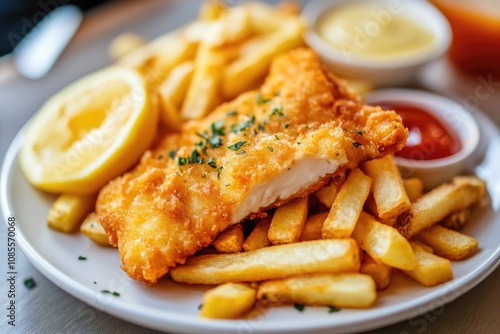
(475, 48)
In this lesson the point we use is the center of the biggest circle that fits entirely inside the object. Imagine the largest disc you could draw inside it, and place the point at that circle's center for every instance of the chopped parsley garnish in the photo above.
(82, 258)
(359, 132)
(214, 139)
(299, 307)
(277, 111)
(356, 144)
(260, 100)
(270, 148)
(235, 128)
(218, 128)
(114, 293)
(195, 157)
(231, 113)
(287, 125)
(262, 126)
(276, 136)
(237, 145)
(332, 309)
(171, 154)
(219, 170)
(182, 161)
(204, 176)
(29, 283)
(298, 143)
(211, 163)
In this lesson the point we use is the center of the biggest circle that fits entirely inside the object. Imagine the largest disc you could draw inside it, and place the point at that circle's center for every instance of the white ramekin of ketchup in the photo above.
(443, 134)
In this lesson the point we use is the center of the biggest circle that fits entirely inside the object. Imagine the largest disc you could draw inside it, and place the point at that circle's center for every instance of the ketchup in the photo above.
(429, 138)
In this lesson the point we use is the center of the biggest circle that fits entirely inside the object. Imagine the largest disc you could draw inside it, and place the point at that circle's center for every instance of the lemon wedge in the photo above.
(88, 133)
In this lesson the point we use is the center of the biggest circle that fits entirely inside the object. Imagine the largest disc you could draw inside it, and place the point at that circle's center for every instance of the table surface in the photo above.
(47, 308)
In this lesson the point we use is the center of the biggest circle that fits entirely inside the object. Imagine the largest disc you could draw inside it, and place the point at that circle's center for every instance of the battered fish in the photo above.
(286, 140)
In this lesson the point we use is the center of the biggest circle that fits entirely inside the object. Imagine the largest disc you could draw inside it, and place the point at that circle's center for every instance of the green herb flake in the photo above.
(235, 128)
(298, 143)
(200, 306)
(356, 144)
(204, 176)
(299, 307)
(182, 161)
(171, 154)
(260, 100)
(29, 283)
(270, 148)
(332, 309)
(82, 258)
(276, 137)
(237, 145)
(231, 113)
(287, 125)
(219, 170)
(211, 163)
(114, 293)
(277, 111)
(218, 128)
(359, 132)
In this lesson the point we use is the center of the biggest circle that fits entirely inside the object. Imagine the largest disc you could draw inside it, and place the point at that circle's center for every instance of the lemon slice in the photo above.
(89, 132)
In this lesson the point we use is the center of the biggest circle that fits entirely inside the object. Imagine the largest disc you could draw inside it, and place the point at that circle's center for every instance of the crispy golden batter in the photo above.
(170, 206)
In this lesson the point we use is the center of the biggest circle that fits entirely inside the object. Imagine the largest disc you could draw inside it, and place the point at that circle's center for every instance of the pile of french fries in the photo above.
(339, 253)
(337, 247)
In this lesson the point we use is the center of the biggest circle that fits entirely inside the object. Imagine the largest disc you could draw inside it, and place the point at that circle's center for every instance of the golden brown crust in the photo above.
(165, 210)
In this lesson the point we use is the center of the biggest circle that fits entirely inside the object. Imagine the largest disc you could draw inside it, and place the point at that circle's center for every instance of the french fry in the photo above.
(339, 290)
(381, 273)
(308, 257)
(227, 301)
(457, 220)
(414, 188)
(347, 206)
(156, 59)
(425, 247)
(171, 94)
(93, 229)
(266, 19)
(202, 95)
(68, 212)
(123, 44)
(327, 193)
(211, 10)
(460, 193)
(258, 237)
(430, 269)
(289, 7)
(242, 74)
(448, 243)
(230, 240)
(232, 26)
(383, 243)
(387, 187)
(288, 221)
(312, 227)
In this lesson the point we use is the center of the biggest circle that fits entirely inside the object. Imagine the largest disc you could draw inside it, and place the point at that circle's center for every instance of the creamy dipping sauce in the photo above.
(370, 30)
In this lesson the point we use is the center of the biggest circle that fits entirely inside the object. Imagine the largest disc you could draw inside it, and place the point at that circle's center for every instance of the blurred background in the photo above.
(17, 18)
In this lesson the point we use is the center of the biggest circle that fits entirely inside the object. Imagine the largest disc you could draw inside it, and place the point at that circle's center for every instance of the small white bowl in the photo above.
(380, 72)
(452, 115)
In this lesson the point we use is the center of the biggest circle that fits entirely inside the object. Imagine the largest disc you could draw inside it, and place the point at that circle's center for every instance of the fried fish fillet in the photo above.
(301, 128)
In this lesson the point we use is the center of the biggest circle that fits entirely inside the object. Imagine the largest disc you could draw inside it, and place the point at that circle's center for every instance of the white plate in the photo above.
(172, 307)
